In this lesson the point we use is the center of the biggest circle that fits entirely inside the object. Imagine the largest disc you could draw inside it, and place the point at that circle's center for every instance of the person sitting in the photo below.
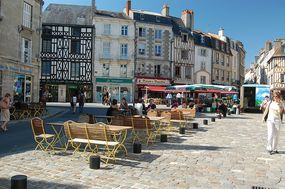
(174, 104)
(113, 110)
(124, 107)
(151, 105)
(140, 107)
(222, 108)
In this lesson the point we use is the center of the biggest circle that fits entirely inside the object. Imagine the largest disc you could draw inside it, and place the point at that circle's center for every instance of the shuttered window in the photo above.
(27, 15)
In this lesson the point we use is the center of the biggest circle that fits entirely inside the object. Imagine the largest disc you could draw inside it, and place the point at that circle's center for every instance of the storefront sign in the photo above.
(15, 69)
(147, 81)
(113, 80)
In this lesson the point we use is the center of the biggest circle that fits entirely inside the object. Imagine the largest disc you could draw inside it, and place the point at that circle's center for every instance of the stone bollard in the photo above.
(219, 116)
(137, 148)
(163, 138)
(205, 122)
(213, 119)
(19, 182)
(94, 162)
(229, 112)
(195, 125)
(182, 130)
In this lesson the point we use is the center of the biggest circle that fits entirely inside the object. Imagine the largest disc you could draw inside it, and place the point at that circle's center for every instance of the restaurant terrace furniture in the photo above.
(44, 141)
(152, 113)
(142, 125)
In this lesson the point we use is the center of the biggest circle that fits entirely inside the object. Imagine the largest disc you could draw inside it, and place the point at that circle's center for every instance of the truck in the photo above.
(252, 95)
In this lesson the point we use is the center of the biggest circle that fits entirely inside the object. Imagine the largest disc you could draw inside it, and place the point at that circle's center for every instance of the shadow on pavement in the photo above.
(32, 184)
(173, 146)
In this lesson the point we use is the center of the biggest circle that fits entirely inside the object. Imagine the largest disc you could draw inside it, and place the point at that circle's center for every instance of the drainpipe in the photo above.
(135, 62)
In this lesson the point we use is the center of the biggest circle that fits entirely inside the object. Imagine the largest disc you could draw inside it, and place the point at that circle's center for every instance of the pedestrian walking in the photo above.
(273, 115)
(73, 102)
(81, 101)
(5, 113)
(264, 103)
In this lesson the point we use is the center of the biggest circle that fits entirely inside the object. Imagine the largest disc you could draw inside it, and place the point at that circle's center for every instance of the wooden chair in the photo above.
(118, 120)
(140, 125)
(177, 118)
(152, 113)
(83, 118)
(44, 141)
(165, 122)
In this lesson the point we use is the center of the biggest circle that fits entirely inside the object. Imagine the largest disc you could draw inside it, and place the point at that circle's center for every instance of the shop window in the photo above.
(19, 86)
(27, 15)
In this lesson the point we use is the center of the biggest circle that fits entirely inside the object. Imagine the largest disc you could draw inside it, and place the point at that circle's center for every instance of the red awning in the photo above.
(216, 91)
(156, 88)
(176, 91)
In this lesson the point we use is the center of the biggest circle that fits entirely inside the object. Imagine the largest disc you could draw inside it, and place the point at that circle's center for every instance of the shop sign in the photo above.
(113, 80)
(146, 81)
(14, 69)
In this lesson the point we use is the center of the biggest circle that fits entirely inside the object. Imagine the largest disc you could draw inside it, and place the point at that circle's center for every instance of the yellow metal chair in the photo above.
(44, 141)
(143, 125)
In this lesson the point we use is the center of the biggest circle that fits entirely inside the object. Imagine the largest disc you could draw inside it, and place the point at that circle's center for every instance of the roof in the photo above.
(111, 14)
(197, 39)
(179, 26)
(151, 18)
(67, 14)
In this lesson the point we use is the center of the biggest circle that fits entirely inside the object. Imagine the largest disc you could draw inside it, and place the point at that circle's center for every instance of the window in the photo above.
(75, 69)
(107, 29)
(158, 34)
(0, 17)
(188, 72)
(203, 52)
(142, 32)
(223, 47)
(157, 70)
(283, 78)
(157, 49)
(228, 61)
(1, 77)
(217, 44)
(184, 54)
(217, 58)
(123, 70)
(202, 79)
(46, 46)
(106, 69)
(283, 47)
(46, 68)
(223, 75)
(27, 15)
(228, 76)
(75, 46)
(157, 19)
(26, 51)
(124, 50)
(142, 16)
(177, 72)
(203, 65)
(141, 48)
(76, 32)
(106, 50)
(202, 39)
(124, 30)
(141, 69)
(223, 59)
(217, 75)
(184, 38)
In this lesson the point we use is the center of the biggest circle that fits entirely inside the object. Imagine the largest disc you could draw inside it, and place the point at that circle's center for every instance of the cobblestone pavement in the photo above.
(229, 153)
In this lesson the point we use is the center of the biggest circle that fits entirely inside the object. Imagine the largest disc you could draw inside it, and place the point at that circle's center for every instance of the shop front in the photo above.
(117, 88)
(144, 87)
(22, 88)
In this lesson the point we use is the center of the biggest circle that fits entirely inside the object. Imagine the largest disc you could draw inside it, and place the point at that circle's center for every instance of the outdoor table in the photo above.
(156, 122)
(59, 134)
(103, 117)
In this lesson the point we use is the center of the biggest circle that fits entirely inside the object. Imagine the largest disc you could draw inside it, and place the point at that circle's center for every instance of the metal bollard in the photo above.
(94, 162)
(163, 138)
(219, 116)
(19, 182)
(213, 119)
(137, 148)
(205, 122)
(195, 125)
(182, 130)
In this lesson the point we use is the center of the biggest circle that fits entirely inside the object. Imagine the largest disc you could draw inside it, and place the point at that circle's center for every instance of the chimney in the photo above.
(93, 5)
(187, 17)
(268, 46)
(221, 32)
(165, 10)
(128, 7)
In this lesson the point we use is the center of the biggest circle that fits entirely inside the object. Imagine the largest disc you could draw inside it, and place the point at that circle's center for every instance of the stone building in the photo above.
(20, 28)
(67, 52)
(203, 58)
(114, 55)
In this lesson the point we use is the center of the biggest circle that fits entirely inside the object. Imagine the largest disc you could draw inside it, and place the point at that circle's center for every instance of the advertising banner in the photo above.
(261, 93)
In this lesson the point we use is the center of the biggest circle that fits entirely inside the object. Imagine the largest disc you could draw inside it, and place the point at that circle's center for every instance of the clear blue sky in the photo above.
(253, 22)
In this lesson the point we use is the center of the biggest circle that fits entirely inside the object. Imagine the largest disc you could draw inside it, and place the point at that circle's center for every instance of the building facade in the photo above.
(20, 48)
(114, 55)
(67, 52)
(221, 59)
(203, 58)
(183, 48)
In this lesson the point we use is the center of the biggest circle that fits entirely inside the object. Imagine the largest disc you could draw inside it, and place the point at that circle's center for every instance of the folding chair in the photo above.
(44, 141)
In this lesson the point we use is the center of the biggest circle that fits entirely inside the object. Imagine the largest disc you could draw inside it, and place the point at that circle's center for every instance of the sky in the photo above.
(253, 22)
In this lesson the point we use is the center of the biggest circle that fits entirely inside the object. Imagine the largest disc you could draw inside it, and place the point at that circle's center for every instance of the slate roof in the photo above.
(111, 14)
(67, 14)
(178, 26)
(151, 18)
(197, 39)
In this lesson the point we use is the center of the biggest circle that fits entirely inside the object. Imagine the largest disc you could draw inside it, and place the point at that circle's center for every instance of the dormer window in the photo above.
(202, 39)
(141, 16)
(157, 19)
(184, 38)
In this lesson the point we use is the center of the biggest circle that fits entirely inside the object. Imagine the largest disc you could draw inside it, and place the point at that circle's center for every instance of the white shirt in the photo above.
(139, 107)
(178, 95)
(74, 99)
(274, 111)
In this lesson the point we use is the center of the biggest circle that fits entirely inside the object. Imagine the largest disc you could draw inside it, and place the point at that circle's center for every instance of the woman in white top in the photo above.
(274, 110)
